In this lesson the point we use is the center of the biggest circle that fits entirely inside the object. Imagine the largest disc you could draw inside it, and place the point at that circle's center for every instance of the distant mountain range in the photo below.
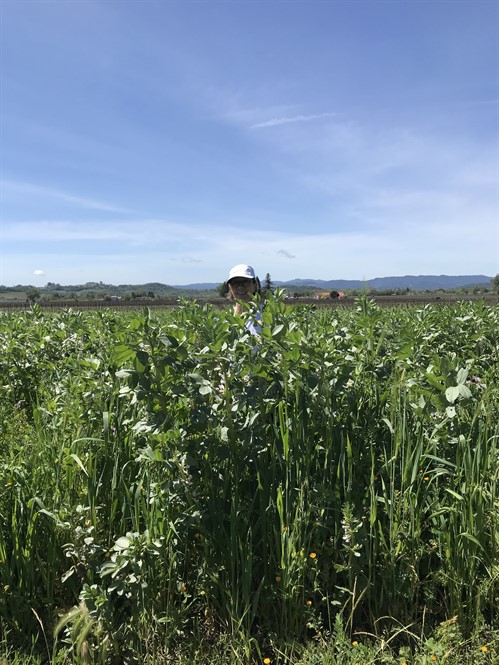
(417, 282)
(160, 290)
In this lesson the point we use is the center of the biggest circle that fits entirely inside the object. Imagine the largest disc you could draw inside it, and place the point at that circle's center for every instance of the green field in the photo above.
(174, 490)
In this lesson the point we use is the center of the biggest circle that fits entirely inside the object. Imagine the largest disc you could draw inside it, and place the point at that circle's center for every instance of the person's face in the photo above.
(242, 288)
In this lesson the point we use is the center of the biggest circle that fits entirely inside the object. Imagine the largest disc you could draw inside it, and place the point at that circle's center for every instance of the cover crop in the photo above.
(166, 475)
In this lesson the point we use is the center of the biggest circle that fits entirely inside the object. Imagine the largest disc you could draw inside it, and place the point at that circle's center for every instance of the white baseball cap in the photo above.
(241, 270)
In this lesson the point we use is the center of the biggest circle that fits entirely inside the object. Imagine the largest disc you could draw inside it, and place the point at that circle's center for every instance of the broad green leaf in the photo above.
(434, 381)
(122, 354)
(452, 394)
(464, 391)
(122, 543)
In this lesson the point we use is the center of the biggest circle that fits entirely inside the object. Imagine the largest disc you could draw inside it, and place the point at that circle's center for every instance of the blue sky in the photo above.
(166, 141)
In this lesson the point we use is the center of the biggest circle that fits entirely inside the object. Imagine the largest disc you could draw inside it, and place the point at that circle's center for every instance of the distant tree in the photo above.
(150, 294)
(334, 294)
(33, 295)
(495, 283)
(267, 285)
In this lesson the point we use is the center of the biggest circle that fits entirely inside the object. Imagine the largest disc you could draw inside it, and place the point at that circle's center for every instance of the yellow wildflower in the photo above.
(434, 657)
(266, 661)
(355, 643)
(312, 555)
(309, 602)
(484, 649)
(277, 578)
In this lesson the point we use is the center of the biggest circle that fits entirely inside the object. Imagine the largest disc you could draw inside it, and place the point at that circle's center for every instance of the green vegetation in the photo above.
(173, 489)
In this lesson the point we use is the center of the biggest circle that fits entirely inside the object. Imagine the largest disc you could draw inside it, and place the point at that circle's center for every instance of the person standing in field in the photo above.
(243, 285)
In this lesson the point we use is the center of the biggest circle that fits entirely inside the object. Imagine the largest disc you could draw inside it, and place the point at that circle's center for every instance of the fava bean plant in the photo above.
(165, 474)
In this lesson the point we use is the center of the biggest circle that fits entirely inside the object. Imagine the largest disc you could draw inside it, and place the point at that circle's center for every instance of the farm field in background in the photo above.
(173, 488)
(162, 303)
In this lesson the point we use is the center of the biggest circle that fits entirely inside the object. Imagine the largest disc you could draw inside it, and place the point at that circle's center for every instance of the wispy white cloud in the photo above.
(137, 233)
(10, 187)
(242, 111)
(393, 201)
(274, 122)
(184, 259)
(257, 110)
(395, 242)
